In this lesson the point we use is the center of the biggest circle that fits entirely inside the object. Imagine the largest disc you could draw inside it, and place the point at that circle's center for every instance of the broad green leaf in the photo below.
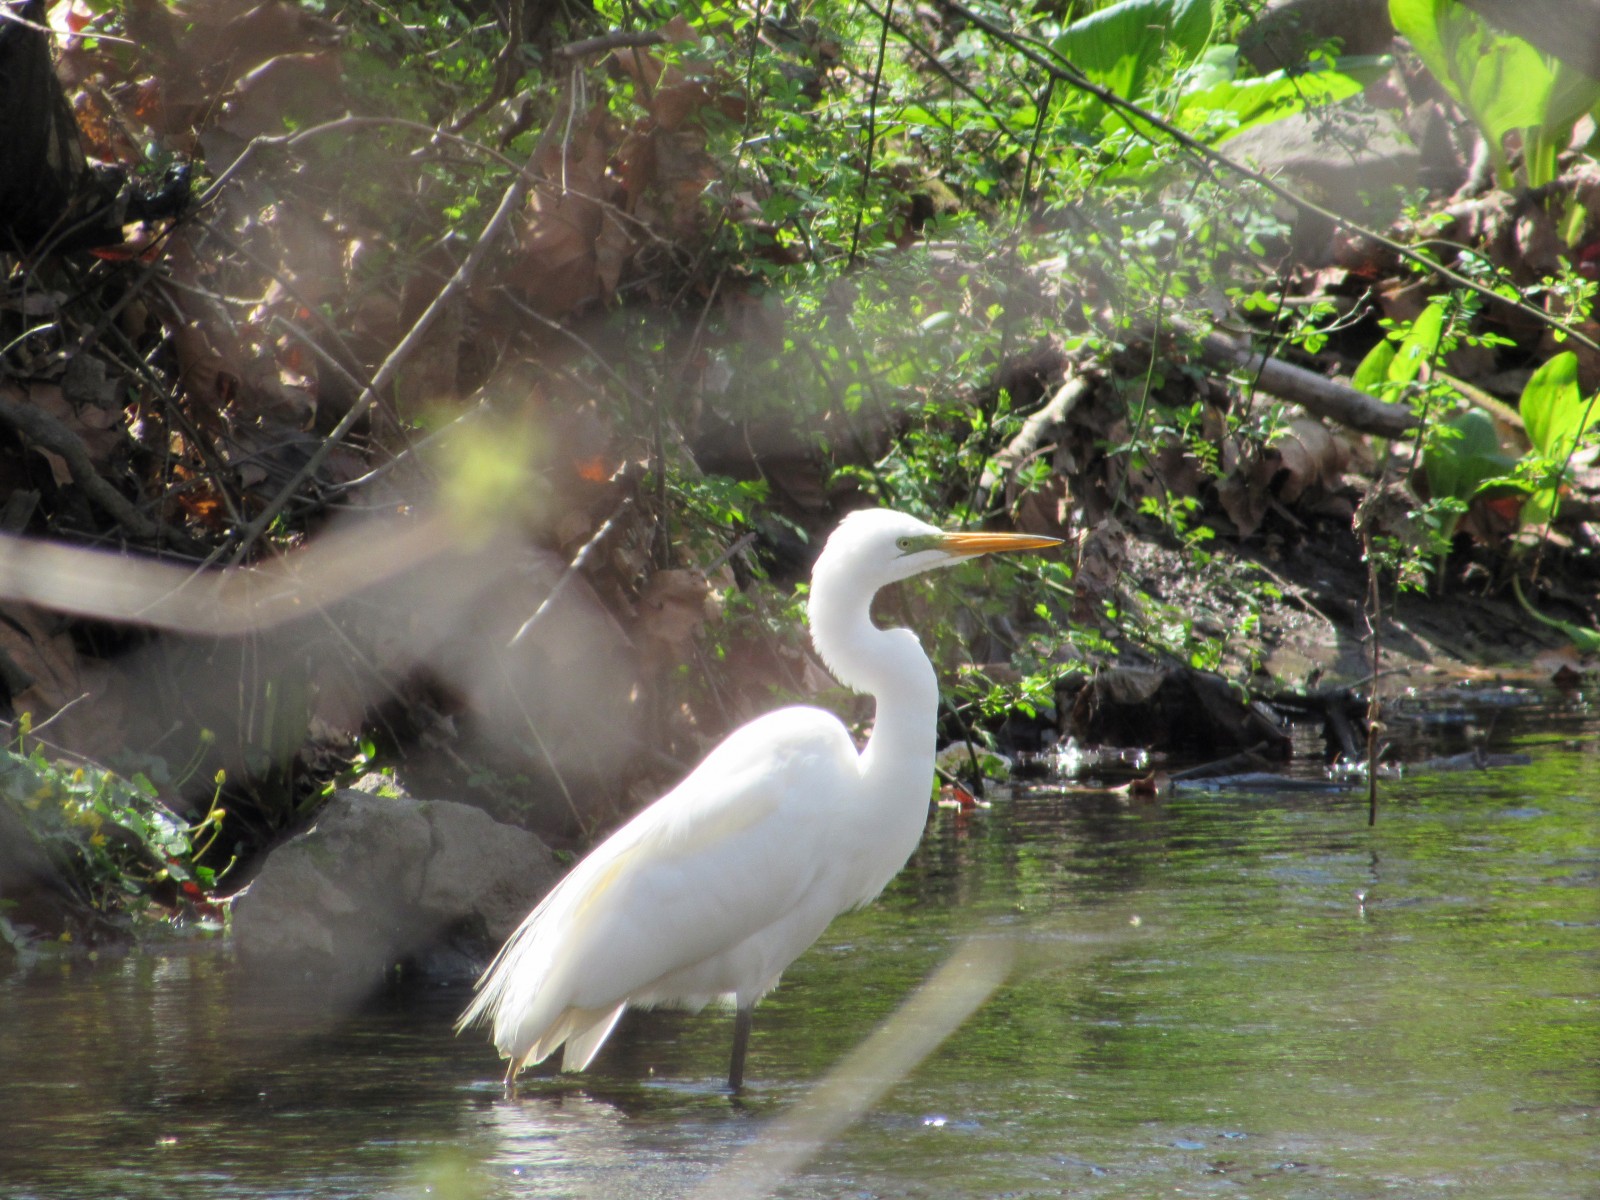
(1550, 396)
(1418, 347)
(1216, 64)
(1119, 46)
(916, 114)
(1572, 94)
(1373, 373)
(1252, 102)
(1553, 409)
(1457, 466)
(1556, 416)
(1503, 82)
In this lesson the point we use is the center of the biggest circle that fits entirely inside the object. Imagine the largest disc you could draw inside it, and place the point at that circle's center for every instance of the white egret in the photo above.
(714, 889)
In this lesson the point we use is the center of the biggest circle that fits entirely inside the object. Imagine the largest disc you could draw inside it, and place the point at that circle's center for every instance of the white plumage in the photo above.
(714, 889)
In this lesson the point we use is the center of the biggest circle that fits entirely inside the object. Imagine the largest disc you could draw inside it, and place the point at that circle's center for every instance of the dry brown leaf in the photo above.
(672, 610)
(194, 53)
(103, 134)
(45, 657)
(613, 250)
(645, 68)
(205, 375)
(1309, 455)
(1243, 497)
(1304, 465)
(99, 429)
(1102, 558)
(60, 473)
(675, 93)
(557, 264)
(1046, 509)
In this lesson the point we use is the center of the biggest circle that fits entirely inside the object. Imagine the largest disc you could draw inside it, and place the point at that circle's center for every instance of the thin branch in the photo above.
(619, 39)
(931, 57)
(572, 568)
(47, 433)
(1022, 447)
(872, 133)
(293, 141)
(1068, 73)
(509, 203)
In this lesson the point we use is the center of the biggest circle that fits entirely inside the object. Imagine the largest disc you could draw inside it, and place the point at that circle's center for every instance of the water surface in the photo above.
(1216, 995)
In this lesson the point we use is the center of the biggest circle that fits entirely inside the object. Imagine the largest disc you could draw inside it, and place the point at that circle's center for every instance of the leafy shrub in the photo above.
(119, 851)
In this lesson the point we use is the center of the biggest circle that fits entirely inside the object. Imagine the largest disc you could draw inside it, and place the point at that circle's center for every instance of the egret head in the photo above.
(877, 546)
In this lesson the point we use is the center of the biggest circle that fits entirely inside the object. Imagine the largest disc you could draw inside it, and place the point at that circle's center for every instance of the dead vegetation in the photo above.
(366, 384)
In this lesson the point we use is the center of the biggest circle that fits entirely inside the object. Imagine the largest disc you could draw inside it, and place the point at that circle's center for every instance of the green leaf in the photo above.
(1503, 82)
(1586, 640)
(1418, 347)
(1553, 410)
(1556, 416)
(1252, 102)
(1373, 372)
(1119, 46)
(1457, 466)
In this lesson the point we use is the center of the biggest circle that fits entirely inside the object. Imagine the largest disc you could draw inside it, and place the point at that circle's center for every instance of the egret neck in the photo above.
(890, 666)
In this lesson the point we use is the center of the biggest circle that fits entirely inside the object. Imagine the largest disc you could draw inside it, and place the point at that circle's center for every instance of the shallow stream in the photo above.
(1216, 994)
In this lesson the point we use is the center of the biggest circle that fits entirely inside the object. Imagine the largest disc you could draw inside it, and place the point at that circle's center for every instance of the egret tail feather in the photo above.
(582, 1046)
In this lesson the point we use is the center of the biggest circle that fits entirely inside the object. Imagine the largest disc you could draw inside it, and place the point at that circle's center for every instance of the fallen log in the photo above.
(1317, 394)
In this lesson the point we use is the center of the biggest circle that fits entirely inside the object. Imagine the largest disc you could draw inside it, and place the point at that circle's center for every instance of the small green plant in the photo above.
(1557, 419)
(994, 699)
(1457, 456)
(1506, 85)
(1586, 641)
(113, 842)
(1176, 515)
(1461, 457)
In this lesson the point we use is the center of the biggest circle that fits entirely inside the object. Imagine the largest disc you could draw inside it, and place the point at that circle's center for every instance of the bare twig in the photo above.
(292, 141)
(572, 568)
(46, 432)
(1144, 121)
(1029, 438)
(618, 39)
(505, 69)
(1374, 611)
(872, 133)
(727, 554)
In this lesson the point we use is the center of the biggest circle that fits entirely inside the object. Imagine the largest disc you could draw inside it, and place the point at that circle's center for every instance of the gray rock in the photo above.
(1285, 31)
(1350, 156)
(380, 881)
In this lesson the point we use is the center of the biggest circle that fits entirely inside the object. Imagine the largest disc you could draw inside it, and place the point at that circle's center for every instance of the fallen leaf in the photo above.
(42, 660)
(671, 611)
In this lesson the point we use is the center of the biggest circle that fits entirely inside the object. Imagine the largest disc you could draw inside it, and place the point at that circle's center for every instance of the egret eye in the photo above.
(904, 543)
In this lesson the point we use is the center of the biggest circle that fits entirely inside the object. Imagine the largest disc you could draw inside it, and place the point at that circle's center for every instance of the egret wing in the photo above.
(728, 853)
(705, 868)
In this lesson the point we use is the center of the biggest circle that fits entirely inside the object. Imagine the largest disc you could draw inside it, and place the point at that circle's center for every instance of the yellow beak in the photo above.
(969, 544)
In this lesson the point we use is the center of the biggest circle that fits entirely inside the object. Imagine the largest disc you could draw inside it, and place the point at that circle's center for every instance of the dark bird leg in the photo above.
(741, 1041)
